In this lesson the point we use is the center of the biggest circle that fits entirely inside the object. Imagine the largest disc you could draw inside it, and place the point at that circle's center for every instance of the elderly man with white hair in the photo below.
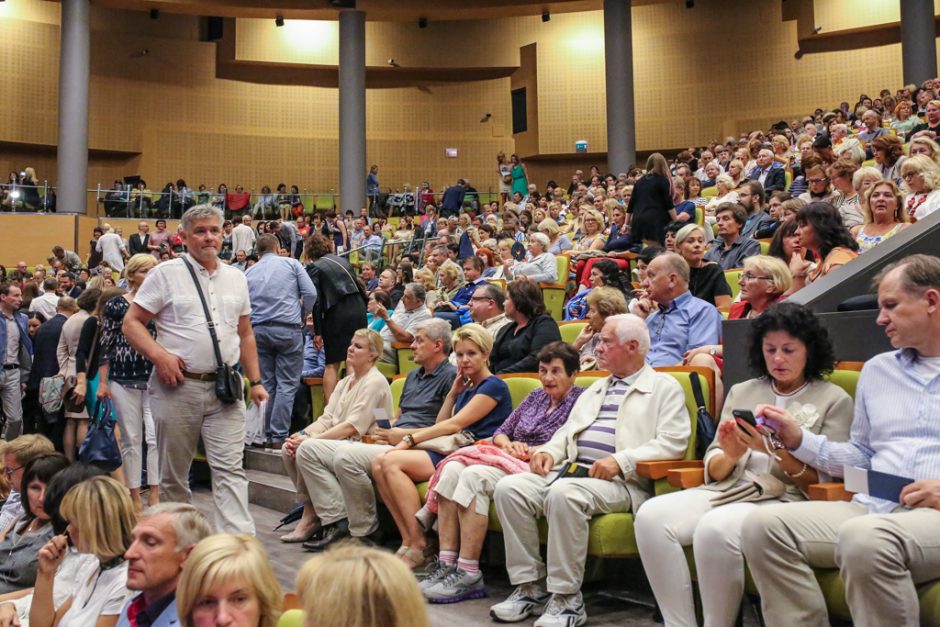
(541, 264)
(635, 414)
(769, 174)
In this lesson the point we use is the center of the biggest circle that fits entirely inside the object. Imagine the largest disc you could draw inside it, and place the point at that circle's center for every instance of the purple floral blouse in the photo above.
(529, 424)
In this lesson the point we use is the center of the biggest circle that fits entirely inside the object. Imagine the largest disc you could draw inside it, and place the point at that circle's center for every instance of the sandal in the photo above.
(401, 550)
(415, 560)
(297, 536)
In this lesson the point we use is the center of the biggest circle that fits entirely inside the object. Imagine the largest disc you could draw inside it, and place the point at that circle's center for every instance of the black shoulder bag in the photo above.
(705, 428)
(229, 387)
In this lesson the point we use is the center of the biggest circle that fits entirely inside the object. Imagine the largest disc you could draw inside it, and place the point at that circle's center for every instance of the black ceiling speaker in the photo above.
(343, 4)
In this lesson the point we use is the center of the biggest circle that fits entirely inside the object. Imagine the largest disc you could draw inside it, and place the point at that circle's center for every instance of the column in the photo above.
(918, 41)
(618, 60)
(352, 110)
(74, 63)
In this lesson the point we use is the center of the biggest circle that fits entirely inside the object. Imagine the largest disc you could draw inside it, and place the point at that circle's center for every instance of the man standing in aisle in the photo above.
(17, 352)
(182, 388)
(282, 295)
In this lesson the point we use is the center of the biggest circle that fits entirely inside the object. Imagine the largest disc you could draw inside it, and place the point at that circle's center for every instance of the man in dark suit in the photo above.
(452, 199)
(46, 364)
(139, 240)
(767, 173)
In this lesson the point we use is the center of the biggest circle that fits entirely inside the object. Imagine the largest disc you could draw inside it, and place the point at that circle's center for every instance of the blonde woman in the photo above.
(904, 118)
(724, 185)
(358, 586)
(558, 242)
(348, 415)
(123, 376)
(737, 173)
(101, 518)
(593, 225)
(925, 146)
(921, 178)
(783, 154)
(884, 215)
(228, 580)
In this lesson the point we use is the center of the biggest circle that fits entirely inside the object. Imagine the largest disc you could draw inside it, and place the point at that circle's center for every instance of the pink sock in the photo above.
(448, 557)
(469, 566)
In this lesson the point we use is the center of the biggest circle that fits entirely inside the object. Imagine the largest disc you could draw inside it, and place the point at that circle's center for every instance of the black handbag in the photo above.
(705, 428)
(100, 447)
(229, 386)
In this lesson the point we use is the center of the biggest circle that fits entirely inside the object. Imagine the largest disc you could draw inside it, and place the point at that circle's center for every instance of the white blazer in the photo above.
(652, 424)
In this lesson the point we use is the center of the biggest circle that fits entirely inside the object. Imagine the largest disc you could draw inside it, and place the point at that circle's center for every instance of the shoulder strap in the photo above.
(697, 390)
(205, 310)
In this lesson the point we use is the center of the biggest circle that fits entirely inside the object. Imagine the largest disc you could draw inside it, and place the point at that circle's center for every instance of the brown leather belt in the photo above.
(199, 376)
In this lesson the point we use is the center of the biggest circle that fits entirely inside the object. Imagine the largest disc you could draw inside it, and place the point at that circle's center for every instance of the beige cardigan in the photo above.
(355, 404)
(652, 424)
(825, 404)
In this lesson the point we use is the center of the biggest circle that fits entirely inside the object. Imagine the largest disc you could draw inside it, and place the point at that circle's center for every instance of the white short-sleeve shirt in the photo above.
(168, 292)
(110, 245)
(97, 594)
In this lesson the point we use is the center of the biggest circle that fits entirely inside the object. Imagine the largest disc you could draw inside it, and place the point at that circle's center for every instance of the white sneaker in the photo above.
(525, 600)
(458, 586)
(564, 610)
(439, 571)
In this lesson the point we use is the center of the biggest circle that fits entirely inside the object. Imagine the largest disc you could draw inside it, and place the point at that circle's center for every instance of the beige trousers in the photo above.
(882, 557)
(568, 505)
(333, 477)
(181, 414)
(469, 484)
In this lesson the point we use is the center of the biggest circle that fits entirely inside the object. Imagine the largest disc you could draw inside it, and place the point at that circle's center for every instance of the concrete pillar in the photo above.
(74, 64)
(618, 60)
(352, 110)
(918, 41)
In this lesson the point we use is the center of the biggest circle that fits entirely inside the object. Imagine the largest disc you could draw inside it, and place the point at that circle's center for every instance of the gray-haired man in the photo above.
(401, 323)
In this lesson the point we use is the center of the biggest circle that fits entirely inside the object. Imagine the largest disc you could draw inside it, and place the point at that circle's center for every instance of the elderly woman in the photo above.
(792, 352)
(477, 403)
(888, 151)
(540, 264)
(602, 303)
(925, 146)
(462, 486)
(593, 224)
(725, 186)
(100, 518)
(822, 233)
(348, 415)
(604, 272)
(736, 173)
(706, 279)
(922, 183)
(904, 119)
(842, 174)
(123, 376)
(884, 216)
(228, 580)
(517, 344)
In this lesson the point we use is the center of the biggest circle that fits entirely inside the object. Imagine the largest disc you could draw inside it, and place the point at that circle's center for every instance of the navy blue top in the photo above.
(496, 389)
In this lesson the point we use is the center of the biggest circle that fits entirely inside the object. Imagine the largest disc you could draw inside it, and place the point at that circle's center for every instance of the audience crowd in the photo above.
(205, 340)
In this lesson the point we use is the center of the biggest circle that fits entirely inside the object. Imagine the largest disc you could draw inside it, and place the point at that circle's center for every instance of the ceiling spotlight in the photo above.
(279, 21)
(154, 13)
(546, 16)
(392, 62)
(422, 22)
(798, 55)
(486, 117)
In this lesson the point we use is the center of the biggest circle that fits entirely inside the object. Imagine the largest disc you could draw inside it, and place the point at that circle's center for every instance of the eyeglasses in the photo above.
(9, 471)
(747, 276)
(479, 298)
(816, 181)
(909, 175)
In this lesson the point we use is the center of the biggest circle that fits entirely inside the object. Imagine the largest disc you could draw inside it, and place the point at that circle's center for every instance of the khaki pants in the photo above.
(332, 476)
(568, 504)
(469, 484)
(881, 558)
(183, 413)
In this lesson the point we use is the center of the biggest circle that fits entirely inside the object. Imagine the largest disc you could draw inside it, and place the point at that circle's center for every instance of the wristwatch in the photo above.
(712, 351)
(409, 440)
(254, 383)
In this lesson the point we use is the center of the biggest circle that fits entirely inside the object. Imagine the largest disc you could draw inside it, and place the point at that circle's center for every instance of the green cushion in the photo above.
(833, 590)
(291, 618)
(732, 277)
(845, 379)
(389, 370)
(569, 331)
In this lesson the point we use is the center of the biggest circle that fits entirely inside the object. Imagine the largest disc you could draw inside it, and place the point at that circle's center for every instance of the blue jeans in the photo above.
(281, 360)
(453, 317)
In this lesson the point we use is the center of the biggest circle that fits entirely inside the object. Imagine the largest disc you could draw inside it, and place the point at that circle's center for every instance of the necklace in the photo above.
(773, 386)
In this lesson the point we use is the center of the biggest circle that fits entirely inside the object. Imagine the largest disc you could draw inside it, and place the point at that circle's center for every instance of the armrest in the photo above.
(659, 469)
(313, 381)
(686, 477)
(829, 492)
(400, 345)
(556, 286)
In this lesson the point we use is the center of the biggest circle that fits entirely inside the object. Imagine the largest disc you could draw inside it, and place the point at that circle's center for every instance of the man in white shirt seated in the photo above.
(401, 324)
(883, 548)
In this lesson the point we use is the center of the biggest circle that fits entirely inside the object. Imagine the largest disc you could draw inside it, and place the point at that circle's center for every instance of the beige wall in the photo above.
(720, 68)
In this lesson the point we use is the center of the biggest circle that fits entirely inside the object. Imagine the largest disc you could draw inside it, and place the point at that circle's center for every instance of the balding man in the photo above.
(681, 322)
(883, 547)
(636, 414)
(769, 174)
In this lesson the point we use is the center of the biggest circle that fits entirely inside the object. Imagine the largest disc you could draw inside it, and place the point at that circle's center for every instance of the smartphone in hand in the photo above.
(746, 415)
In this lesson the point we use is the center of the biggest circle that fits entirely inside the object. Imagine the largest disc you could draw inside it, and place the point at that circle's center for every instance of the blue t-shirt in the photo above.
(496, 389)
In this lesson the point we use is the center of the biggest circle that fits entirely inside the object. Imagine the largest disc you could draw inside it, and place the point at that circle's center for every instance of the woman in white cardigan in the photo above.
(792, 352)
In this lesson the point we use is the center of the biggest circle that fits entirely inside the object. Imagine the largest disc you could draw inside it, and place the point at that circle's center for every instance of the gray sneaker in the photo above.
(458, 586)
(525, 600)
(564, 610)
(439, 571)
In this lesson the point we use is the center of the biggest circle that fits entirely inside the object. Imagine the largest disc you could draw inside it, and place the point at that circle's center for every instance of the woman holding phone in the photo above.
(478, 402)
(792, 352)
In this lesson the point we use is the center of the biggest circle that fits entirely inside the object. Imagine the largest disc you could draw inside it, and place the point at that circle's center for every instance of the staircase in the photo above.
(268, 483)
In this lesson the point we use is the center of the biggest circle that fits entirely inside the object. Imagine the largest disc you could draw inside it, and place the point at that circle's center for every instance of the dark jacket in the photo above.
(452, 201)
(516, 352)
(334, 279)
(45, 360)
(775, 181)
(138, 244)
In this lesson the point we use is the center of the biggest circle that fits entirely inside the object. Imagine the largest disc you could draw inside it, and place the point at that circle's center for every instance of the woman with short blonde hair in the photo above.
(359, 586)
(885, 215)
(219, 568)
(100, 518)
(922, 183)
(558, 240)
(925, 146)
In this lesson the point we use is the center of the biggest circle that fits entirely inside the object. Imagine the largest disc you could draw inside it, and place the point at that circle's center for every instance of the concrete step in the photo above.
(271, 490)
(264, 459)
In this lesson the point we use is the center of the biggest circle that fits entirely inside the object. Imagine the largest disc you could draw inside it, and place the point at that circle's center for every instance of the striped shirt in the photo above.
(896, 428)
(597, 440)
